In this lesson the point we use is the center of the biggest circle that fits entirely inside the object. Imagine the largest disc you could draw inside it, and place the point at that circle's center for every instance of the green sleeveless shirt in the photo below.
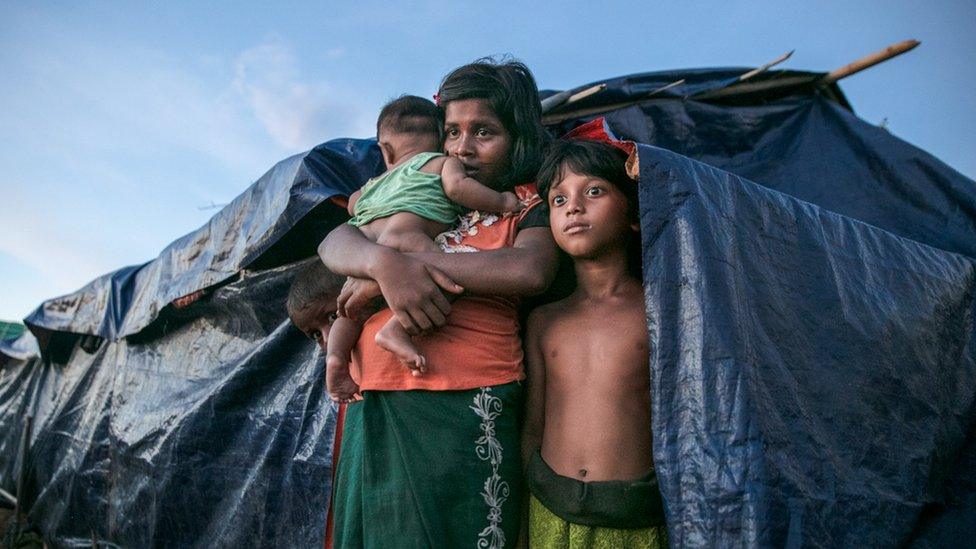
(406, 189)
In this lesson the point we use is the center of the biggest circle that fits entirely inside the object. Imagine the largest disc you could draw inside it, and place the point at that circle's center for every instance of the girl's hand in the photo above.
(357, 299)
(413, 291)
(511, 203)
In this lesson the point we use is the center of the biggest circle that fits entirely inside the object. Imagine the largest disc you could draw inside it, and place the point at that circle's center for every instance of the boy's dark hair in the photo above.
(509, 87)
(410, 114)
(313, 284)
(595, 159)
(586, 157)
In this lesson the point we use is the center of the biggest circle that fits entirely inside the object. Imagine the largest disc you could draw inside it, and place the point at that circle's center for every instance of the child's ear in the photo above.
(387, 151)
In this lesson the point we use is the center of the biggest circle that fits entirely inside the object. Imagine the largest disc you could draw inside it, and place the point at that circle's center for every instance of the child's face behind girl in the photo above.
(316, 320)
(589, 216)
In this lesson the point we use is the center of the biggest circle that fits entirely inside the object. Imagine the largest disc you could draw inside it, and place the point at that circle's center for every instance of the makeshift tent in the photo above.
(810, 296)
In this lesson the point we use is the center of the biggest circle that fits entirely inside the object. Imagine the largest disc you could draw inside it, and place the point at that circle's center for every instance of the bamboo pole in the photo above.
(555, 100)
(870, 61)
(664, 87)
(567, 97)
(586, 93)
(767, 66)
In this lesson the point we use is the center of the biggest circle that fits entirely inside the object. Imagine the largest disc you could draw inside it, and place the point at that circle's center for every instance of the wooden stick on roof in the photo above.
(870, 61)
(767, 66)
(555, 100)
(664, 88)
(567, 97)
(586, 93)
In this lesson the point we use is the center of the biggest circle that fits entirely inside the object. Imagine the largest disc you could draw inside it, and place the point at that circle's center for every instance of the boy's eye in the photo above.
(332, 317)
(315, 335)
(558, 200)
(483, 132)
(452, 132)
(594, 191)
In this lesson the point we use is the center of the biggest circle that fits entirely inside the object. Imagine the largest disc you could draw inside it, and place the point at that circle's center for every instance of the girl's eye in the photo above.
(452, 132)
(594, 191)
(558, 200)
(316, 336)
(332, 317)
(483, 132)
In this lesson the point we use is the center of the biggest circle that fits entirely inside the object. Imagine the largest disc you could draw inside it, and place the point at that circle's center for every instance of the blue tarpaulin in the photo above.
(814, 376)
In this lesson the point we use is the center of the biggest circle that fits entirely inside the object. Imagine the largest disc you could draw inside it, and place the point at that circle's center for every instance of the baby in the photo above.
(420, 195)
(587, 432)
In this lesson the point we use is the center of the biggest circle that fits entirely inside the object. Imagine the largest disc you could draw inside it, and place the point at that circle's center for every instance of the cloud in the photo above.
(296, 113)
(111, 152)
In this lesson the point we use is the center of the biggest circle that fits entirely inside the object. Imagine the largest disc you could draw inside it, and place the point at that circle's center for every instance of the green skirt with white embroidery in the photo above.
(430, 469)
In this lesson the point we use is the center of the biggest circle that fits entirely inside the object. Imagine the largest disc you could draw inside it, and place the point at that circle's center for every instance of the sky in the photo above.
(123, 124)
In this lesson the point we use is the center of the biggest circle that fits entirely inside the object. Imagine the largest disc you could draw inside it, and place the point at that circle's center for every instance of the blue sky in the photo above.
(119, 122)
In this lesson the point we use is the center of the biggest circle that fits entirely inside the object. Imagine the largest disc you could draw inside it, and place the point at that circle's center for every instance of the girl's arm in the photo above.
(411, 288)
(527, 268)
(412, 284)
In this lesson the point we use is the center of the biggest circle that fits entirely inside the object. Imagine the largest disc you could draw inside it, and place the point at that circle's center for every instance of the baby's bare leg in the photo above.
(342, 338)
(408, 242)
(405, 232)
(393, 338)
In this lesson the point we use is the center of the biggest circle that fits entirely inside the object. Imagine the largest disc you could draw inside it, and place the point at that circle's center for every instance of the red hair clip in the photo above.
(437, 99)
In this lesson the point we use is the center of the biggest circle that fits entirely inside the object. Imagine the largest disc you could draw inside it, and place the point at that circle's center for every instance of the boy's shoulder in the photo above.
(548, 314)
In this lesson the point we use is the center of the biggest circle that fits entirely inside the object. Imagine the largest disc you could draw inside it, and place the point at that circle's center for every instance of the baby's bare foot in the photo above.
(341, 387)
(393, 338)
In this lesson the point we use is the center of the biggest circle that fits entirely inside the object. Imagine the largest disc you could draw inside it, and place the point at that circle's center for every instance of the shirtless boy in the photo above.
(587, 436)
(419, 196)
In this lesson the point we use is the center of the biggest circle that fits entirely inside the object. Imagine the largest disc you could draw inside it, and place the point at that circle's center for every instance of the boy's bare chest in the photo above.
(597, 336)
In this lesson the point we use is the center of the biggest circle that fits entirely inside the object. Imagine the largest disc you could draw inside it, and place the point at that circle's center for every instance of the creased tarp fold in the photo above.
(814, 377)
(216, 433)
(124, 302)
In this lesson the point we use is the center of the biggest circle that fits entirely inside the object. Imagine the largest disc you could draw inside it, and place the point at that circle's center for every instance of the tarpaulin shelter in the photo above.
(809, 281)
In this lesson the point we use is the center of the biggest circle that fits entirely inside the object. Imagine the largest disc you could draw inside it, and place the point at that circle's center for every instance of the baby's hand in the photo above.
(511, 203)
